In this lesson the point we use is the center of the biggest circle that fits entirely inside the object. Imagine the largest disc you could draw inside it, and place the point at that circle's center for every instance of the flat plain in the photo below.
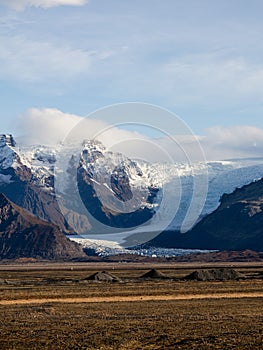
(54, 306)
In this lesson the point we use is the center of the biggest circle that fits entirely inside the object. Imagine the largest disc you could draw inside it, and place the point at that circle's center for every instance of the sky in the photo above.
(200, 59)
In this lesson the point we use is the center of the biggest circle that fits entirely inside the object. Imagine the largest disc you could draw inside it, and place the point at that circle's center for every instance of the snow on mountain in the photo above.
(8, 157)
(39, 159)
(225, 177)
(115, 174)
(133, 184)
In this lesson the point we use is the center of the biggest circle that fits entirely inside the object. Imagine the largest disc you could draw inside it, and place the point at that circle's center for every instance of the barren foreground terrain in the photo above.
(45, 306)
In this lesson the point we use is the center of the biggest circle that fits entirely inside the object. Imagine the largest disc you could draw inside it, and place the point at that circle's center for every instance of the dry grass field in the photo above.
(54, 307)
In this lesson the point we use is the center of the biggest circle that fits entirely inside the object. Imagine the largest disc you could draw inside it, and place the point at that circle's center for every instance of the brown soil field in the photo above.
(53, 306)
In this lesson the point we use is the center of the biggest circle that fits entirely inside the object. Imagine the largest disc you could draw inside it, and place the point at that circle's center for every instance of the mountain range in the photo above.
(60, 187)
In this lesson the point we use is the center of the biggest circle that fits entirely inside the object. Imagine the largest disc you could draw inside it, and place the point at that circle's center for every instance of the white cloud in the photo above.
(50, 126)
(19, 5)
(233, 142)
(215, 62)
(220, 143)
(25, 60)
(45, 126)
(171, 64)
(210, 77)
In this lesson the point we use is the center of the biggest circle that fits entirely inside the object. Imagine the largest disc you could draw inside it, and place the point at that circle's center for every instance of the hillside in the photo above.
(24, 235)
(237, 224)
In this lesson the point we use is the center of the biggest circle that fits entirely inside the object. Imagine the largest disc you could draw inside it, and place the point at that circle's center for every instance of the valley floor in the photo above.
(45, 306)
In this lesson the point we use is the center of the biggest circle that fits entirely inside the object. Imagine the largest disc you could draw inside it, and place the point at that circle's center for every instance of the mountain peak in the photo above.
(9, 156)
(7, 140)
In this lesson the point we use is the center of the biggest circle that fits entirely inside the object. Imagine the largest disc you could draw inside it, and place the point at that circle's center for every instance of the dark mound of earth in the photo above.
(103, 276)
(222, 274)
(153, 273)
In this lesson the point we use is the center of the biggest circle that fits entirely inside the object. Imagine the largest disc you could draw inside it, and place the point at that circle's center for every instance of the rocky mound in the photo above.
(153, 273)
(23, 235)
(222, 274)
(103, 276)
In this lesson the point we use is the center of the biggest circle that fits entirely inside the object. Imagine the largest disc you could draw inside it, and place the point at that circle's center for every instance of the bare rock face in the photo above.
(22, 235)
(96, 161)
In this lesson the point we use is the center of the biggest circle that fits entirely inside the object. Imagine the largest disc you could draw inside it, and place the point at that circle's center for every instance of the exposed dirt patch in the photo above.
(117, 299)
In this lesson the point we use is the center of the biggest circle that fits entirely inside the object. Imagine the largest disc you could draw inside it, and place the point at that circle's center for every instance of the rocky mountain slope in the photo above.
(27, 177)
(107, 182)
(29, 182)
(237, 224)
(24, 236)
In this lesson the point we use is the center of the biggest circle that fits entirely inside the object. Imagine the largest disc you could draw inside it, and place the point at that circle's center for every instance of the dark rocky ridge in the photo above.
(37, 201)
(237, 224)
(23, 235)
(105, 215)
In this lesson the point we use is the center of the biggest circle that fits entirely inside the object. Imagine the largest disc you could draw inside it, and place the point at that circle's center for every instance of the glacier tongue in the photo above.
(107, 248)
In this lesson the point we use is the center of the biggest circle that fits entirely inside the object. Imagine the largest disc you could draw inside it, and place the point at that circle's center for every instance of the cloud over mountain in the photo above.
(233, 142)
(50, 126)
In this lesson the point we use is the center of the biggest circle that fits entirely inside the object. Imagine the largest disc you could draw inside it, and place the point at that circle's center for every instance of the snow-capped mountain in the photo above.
(63, 184)
(114, 188)
(27, 179)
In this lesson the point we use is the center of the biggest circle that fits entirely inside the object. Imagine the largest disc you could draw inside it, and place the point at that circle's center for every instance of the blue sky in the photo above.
(201, 59)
